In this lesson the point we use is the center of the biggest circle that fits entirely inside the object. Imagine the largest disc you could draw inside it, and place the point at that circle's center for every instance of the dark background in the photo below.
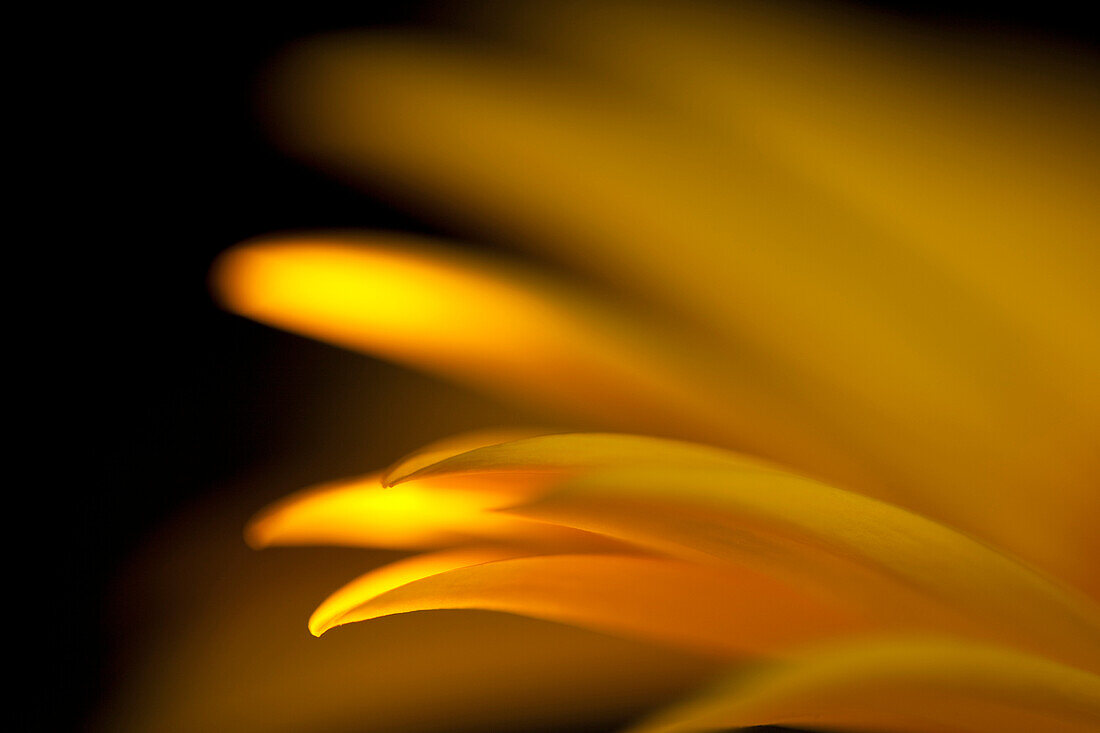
(167, 165)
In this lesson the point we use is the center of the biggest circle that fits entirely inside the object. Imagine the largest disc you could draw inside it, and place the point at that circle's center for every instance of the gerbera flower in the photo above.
(845, 285)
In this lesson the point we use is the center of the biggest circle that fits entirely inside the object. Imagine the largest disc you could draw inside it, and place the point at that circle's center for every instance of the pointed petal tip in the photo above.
(318, 626)
(565, 452)
(424, 461)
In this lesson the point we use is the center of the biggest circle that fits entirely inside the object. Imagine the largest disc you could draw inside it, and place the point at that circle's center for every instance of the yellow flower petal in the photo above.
(506, 330)
(568, 452)
(796, 523)
(707, 504)
(455, 444)
(726, 611)
(342, 607)
(900, 686)
(436, 513)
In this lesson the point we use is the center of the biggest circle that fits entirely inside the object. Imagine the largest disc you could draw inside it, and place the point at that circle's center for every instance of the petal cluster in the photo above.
(833, 314)
(712, 552)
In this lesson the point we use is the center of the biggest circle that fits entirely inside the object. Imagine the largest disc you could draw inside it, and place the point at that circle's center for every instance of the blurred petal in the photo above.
(728, 611)
(977, 163)
(505, 330)
(900, 686)
(990, 170)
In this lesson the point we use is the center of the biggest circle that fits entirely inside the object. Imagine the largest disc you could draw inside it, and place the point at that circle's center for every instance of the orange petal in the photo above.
(714, 611)
(888, 557)
(697, 502)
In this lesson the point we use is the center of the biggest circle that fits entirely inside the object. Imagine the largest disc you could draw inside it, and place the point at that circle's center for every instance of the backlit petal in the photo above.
(506, 330)
(456, 444)
(728, 611)
(798, 525)
(795, 525)
(436, 513)
(568, 452)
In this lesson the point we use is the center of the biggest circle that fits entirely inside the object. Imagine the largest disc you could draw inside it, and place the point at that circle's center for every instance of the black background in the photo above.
(159, 164)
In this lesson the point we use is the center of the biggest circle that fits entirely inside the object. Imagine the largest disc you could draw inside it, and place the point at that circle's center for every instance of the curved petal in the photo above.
(800, 526)
(696, 501)
(900, 686)
(455, 444)
(344, 605)
(565, 452)
(437, 513)
(726, 611)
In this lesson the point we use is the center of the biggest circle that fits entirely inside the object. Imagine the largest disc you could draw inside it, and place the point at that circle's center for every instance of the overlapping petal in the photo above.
(750, 561)
(696, 502)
